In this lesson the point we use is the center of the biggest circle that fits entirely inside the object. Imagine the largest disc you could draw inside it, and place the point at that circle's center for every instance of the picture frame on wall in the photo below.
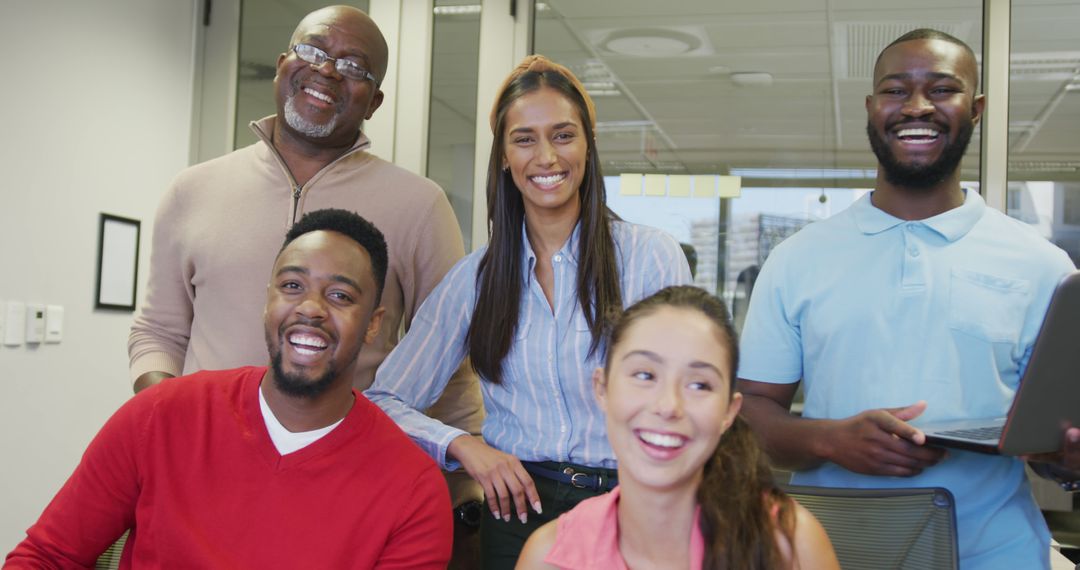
(117, 263)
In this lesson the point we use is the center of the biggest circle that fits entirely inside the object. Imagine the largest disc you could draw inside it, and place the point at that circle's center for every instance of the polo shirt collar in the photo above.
(951, 225)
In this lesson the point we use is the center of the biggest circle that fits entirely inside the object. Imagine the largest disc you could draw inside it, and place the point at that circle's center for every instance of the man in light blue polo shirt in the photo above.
(917, 303)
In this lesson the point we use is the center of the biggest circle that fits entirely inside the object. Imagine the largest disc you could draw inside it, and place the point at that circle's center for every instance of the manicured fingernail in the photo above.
(496, 515)
(536, 507)
(524, 518)
(506, 517)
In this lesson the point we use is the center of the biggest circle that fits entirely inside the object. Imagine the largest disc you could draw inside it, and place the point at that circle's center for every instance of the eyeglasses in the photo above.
(346, 67)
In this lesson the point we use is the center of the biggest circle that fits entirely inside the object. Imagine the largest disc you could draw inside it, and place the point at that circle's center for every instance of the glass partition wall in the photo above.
(733, 124)
(452, 122)
(1044, 120)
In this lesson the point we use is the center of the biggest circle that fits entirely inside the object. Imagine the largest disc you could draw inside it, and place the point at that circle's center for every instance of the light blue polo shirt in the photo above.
(872, 311)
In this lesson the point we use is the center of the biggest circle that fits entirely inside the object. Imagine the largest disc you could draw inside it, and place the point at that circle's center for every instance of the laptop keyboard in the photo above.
(983, 433)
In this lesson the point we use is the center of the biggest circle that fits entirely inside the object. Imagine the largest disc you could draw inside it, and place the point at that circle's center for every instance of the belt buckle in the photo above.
(574, 478)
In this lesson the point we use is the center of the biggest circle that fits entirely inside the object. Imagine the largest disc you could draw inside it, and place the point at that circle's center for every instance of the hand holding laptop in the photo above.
(1047, 399)
(882, 442)
(1062, 467)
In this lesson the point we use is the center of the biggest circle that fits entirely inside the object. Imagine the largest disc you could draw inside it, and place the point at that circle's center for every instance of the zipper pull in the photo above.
(296, 193)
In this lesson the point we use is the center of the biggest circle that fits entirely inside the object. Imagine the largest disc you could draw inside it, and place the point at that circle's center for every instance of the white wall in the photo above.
(95, 116)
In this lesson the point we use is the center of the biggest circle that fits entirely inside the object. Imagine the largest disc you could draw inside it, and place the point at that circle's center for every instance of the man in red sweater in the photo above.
(285, 466)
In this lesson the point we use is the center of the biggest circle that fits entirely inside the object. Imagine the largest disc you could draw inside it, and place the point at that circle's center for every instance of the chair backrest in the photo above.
(886, 528)
(110, 560)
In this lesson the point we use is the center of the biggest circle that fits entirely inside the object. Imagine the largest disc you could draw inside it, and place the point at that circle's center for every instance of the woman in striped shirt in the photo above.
(530, 310)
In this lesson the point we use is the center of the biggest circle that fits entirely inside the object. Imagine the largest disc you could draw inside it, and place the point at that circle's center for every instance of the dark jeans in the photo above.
(501, 542)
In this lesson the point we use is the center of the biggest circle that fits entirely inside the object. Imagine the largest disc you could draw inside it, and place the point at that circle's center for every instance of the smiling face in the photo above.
(320, 310)
(923, 111)
(666, 396)
(545, 149)
(317, 104)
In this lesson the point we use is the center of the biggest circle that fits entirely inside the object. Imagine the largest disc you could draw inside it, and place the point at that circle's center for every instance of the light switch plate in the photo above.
(15, 327)
(54, 323)
(35, 323)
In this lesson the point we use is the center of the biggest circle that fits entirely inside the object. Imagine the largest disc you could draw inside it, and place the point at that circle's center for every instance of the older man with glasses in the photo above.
(219, 225)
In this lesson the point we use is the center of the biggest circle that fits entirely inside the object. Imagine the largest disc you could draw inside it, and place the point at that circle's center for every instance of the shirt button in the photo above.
(557, 258)
(563, 429)
(913, 252)
(911, 225)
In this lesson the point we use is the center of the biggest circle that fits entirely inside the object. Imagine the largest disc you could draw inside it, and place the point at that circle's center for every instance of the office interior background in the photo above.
(729, 124)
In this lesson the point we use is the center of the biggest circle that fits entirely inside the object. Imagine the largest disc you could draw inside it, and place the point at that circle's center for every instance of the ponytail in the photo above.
(738, 497)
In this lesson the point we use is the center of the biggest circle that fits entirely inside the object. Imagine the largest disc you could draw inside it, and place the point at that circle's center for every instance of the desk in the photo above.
(1058, 561)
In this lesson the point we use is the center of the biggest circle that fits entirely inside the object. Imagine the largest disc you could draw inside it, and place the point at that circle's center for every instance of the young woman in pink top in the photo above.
(695, 490)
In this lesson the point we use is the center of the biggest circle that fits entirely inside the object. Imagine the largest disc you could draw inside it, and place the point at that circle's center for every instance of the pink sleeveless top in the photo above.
(588, 537)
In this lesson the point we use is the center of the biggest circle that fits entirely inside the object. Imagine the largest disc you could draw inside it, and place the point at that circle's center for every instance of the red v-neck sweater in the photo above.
(190, 468)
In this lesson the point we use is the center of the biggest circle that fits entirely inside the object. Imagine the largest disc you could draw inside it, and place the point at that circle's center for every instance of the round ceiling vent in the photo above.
(650, 42)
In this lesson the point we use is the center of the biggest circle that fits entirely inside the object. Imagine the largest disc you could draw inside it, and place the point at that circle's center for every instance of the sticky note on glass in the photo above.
(730, 186)
(655, 184)
(630, 185)
(678, 185)
(705, 186)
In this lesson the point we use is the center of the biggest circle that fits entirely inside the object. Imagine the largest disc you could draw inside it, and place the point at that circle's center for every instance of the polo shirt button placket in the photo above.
(914, 269)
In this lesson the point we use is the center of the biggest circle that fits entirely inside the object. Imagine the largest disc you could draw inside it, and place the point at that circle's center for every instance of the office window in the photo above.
(1044, 119)
(452, 122)
(744, 119)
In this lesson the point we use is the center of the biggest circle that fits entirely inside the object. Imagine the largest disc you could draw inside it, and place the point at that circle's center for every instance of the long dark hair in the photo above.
(737, 492)
(500, 278)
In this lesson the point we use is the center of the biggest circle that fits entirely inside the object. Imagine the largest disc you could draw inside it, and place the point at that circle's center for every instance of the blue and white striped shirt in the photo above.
(544, 409)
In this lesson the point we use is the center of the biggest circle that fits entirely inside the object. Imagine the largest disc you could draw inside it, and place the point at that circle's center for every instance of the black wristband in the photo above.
(469, 513)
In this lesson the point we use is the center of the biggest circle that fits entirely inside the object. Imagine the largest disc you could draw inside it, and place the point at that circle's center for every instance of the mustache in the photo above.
(298, 84)
(306, 322)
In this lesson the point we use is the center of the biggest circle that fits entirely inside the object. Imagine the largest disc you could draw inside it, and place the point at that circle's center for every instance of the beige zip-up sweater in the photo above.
(219, 227)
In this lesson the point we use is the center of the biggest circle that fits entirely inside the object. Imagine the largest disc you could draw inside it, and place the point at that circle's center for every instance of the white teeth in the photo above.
(306, 344)
(660, 439)
(920, 133)
(304, 341)
(317, 95)
(549, 180)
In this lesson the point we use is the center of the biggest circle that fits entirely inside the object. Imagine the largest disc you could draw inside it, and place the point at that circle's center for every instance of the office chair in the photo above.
(885, 528)
(110, 560)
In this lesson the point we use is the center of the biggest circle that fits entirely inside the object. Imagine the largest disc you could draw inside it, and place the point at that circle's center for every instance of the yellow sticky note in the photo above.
(730, 186)
(678, 185)
(705, 186)
(655, 184)
(630, 184)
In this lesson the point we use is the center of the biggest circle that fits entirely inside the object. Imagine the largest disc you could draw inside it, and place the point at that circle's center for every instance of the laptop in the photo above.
(1048, 400)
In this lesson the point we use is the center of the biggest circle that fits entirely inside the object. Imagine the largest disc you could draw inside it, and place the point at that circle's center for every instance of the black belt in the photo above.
(572, 475)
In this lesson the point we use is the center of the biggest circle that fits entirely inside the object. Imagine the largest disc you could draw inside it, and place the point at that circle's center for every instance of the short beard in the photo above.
(298, 386)
(304, 126)
(921, 177)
